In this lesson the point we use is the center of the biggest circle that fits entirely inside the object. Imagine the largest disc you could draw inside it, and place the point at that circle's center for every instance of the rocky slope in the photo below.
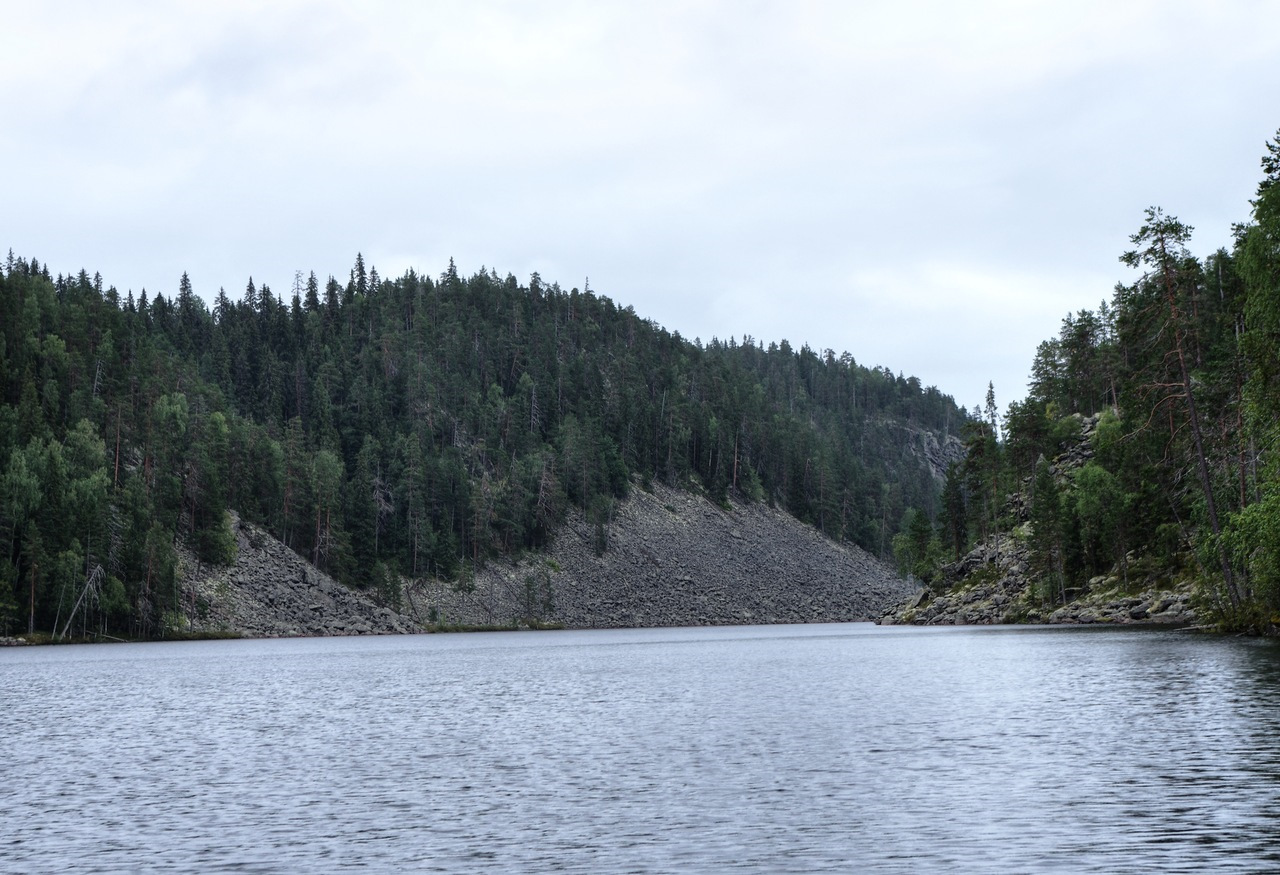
(675, 559)
(990, 586)
(672, 559)
(993, 582)
(272, 592)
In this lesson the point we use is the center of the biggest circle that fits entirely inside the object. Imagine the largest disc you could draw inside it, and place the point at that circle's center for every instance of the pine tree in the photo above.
(1163, 241)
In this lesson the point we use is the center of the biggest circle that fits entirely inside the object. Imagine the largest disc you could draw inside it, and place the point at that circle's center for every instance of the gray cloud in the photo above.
(929, 186)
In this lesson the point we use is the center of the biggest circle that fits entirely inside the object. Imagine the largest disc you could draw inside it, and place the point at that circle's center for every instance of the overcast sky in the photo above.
(929, 186)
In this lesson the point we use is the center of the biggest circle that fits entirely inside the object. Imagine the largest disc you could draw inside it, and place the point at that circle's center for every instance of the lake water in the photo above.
(829, 748)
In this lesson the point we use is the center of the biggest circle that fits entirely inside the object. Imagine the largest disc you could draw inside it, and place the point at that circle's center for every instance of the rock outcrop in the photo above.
(987, 587)
(993, 583)
(938, 454)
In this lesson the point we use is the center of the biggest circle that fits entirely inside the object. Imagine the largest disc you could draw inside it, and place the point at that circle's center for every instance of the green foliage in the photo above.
(115, 604)
(1252, 540)
(1048, 535)
(955, 514)
(1098, 506)
(386, 584)
(917, 549)
(1181, 370)
(216, 544)
(539, 597)
(1251, 536)
(416, 426)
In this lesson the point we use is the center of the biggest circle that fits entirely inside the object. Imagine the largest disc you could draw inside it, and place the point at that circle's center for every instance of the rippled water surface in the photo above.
(761, 749)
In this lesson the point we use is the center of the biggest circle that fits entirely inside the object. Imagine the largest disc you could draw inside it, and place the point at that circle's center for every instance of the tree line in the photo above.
(1182, 368)
(399, 428)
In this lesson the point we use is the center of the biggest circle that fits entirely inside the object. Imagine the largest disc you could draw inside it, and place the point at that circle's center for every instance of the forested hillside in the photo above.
(1182, 478)
(412, 427)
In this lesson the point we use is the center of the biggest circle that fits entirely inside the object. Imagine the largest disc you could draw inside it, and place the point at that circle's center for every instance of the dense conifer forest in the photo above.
(418, 427)
(399, 428)
(1183, 367)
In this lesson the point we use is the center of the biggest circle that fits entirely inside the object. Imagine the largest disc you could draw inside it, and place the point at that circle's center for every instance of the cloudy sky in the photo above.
(931, 186)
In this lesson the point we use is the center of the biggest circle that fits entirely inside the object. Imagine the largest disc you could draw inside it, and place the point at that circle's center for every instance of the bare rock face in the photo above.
(671, 558)
(272, 592)
(939, 454)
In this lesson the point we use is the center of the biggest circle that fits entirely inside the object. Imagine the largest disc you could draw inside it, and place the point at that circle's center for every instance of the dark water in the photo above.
(764, 749)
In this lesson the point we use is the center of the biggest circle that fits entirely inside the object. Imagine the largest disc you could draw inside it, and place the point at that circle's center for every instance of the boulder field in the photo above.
(668, 558)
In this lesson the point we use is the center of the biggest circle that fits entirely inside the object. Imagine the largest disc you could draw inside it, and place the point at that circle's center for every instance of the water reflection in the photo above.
(774, 749)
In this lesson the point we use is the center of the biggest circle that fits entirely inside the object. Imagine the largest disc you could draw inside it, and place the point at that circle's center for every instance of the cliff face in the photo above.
(939, 453)
(671, 559)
